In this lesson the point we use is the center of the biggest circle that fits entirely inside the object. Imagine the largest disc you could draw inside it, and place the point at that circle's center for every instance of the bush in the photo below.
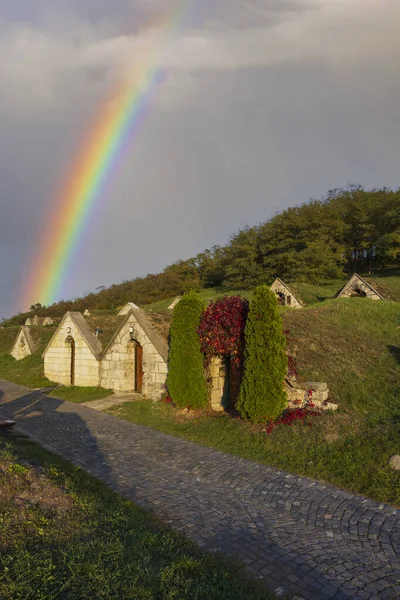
(186, 382)
(221, 328)
(262, 396)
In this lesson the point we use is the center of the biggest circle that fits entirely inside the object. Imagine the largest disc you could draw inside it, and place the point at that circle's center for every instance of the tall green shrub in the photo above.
(186, 381)
(262, 396)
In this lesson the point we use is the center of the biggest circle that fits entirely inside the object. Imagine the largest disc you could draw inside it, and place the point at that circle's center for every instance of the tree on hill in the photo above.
(186, 381)
(262, 396)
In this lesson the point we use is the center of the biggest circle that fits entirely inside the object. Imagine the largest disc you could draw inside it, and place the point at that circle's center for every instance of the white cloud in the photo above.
(53, 69)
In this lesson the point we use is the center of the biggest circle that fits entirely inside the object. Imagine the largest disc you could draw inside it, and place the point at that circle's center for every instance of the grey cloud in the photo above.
(261, 105)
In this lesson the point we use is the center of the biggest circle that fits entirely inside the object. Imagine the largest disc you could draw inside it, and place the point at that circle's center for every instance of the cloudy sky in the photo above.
(262, 104)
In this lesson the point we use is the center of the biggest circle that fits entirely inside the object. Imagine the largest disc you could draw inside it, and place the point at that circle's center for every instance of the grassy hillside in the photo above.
(354, 346)
(28, 371)
(207, 295)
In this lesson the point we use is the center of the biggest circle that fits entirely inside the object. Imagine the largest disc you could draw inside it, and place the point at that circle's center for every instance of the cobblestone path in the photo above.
(304, 538)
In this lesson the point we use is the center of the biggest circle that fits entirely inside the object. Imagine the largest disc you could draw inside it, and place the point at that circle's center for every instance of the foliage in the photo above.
(186, 380)
(351, 344)
(349, 230)
(294, 415)
(262, 396)
(28, 371)
(221, 328)
(66, 535)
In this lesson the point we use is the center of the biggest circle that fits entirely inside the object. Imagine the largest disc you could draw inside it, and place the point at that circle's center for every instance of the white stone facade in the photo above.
(22, 345)
(117, 369)
(358, 287)
(58, 357)
(284, 295)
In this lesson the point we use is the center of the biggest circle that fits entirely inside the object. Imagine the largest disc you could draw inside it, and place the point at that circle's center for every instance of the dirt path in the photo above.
(304, 538)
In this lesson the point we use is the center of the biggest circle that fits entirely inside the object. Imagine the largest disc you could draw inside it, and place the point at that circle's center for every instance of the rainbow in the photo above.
(100, 155)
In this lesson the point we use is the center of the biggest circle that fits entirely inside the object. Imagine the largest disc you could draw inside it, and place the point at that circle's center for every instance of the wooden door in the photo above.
(72, 379)
(138, 368)
(235, 378)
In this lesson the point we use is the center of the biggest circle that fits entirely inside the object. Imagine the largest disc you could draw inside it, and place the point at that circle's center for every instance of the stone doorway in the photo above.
(70, 340)
(138, 368)
(225, 383)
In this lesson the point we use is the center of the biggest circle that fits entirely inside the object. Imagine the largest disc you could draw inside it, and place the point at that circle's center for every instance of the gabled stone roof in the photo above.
(26, 333)
(127, 308)
(37, 320)
(357, 279)
(87, 334)
(159, 342)
(287, 288)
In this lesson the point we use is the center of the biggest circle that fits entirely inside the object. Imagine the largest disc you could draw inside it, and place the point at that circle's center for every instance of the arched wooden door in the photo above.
(70, 340)
(138, 368)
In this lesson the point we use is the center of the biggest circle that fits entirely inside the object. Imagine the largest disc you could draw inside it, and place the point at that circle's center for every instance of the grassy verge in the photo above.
(354, 346)
(28, 372)
(80, 394)
(66, 535)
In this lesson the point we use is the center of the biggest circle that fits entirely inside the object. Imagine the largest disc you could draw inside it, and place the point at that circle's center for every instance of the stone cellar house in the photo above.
(126, 353)
(357, 287)
(174, 303)
(285, 295)
(24, 344)
(37, 320)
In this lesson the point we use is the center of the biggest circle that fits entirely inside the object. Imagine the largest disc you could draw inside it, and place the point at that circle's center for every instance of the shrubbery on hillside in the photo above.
(349, 230)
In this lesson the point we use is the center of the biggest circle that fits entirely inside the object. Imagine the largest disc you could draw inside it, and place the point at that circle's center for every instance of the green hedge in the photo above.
(262, 396)
(186, 381)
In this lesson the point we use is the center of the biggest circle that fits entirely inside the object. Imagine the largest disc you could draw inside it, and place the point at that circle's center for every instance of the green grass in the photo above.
(8, 336)
(355, 347)
(66, 535)
(206, 295)
(28, 371)
(312, 294)
(80, 394)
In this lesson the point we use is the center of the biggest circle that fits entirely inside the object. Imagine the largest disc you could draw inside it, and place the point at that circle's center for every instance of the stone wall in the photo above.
(315, 391)
(218, 376)
(297, 393)
(21, 348)
(57, 358)
(117, 369)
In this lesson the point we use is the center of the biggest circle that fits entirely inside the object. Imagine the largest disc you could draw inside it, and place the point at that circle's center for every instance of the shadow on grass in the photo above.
(395, 352)
(56, 426)
(194, 489)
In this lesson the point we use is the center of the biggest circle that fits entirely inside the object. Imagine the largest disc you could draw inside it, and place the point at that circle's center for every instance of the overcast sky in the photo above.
(263, 104)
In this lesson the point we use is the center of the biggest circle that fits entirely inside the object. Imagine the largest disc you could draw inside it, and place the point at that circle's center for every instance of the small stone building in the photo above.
(174, 303)
(28, 322)
(125, 354)
(127, 308)
(357, 287)
(24, 344)
(37, 320)
(72, 355)
(136, 358)
(86, 313)
(285, 295)
(48, 321)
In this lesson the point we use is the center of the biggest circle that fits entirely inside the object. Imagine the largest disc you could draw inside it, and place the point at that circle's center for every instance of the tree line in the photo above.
(349, 230)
